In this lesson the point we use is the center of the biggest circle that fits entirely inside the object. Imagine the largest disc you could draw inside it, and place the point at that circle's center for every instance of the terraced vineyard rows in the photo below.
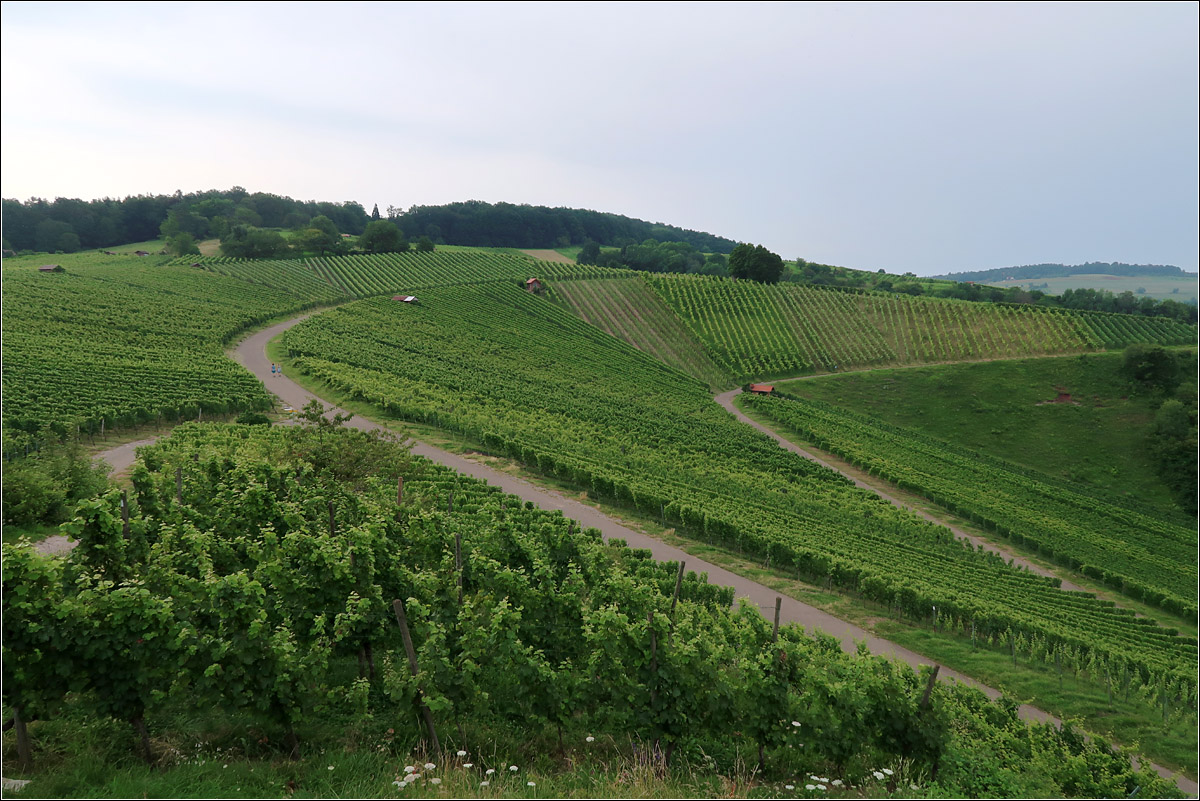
(1141, 555)
(628, 309)
(250, 571)
(120, 344)
(759, 331)
(363, 275)
(577, 404)
(299, 276)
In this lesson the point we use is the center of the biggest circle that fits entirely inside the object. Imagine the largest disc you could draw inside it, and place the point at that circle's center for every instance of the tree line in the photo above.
(70, 224)
(479, 224)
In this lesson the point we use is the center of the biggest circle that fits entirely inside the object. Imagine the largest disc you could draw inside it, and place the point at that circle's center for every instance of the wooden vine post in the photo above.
(458, 564)
(124, 514)
(426, 714)
(929, 686)
(675, 597)
(24, 752)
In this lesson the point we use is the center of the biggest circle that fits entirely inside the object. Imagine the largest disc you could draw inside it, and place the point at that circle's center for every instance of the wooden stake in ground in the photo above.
(402, 619)
(678, 586)
(458, 565)
(929, 686)
(24, 752)
(124, 515)
(775, 630)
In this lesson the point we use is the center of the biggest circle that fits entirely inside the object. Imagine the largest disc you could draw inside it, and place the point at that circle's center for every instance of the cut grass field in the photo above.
(1007, 409)
(1126, 723)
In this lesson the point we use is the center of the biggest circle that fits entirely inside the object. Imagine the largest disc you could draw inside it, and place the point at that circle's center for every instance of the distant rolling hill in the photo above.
(1158, 281)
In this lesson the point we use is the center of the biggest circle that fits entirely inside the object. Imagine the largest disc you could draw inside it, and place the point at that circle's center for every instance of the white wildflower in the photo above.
(888, 771)
(590, 739)
(796, 723)
(822, 787)
(877, 775)
(397, 784)
(462, 753)
(513, 768)
(789, 787)
(330, 767)
(409, 768)
(468, 764)
(435, 781)
(430, 766)
(490, 771)
(484, 783)
(836, 782)
(530, 784)
(810, 787)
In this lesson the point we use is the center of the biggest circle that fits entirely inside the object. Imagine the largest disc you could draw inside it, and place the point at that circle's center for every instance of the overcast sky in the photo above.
(929, 138)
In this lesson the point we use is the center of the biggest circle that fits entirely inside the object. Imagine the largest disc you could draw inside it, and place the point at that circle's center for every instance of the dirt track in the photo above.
(726, 401)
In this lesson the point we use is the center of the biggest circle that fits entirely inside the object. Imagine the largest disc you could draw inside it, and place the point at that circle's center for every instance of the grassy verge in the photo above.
(1004, 408)
(1131, 723)
(35, 532)
(211, 754)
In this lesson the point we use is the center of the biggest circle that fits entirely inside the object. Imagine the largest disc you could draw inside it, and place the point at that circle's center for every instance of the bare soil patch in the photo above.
(549, 255)
(1062, 397)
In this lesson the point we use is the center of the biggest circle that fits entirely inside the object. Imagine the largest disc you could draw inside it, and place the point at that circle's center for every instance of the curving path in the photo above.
(251, 353)
(725, 399)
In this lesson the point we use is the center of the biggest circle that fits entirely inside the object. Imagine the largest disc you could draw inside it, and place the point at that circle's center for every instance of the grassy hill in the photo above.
(1008, 409)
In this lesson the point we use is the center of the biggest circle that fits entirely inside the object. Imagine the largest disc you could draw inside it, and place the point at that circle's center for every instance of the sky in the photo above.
(928, 138)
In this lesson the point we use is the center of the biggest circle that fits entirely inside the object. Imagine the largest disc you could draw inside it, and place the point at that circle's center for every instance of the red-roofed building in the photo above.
(762, 389)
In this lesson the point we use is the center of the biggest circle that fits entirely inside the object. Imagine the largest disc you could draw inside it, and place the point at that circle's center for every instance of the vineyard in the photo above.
(758, 331)
(252, 569)
(575, 403)
(384, 273)
(119, 344)
(1131, 551)
(628, 309)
